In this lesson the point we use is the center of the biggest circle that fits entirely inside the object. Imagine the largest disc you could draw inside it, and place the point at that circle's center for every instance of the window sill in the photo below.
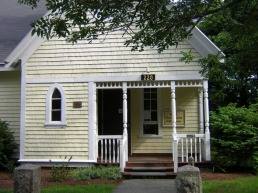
(55, 125)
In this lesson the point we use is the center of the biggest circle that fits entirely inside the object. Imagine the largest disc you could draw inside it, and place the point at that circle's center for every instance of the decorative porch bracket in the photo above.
(207, 154)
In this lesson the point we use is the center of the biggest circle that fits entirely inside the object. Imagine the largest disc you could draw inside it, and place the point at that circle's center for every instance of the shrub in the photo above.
(87, 173)
(235, 137)
(61, 172)
(7, 146)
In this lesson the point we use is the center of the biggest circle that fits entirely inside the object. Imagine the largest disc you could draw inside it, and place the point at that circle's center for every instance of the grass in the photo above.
(96, 188)
(239, 185)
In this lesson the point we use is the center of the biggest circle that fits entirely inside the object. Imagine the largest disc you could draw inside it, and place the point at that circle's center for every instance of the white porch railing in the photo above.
(109, 148)
(185, 146)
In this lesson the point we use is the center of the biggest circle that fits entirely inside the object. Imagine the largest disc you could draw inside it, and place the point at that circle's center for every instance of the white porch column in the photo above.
(207, 155)
(124, 152)
(173, 118)
(92, 108)
(173, 106)
(201, 110)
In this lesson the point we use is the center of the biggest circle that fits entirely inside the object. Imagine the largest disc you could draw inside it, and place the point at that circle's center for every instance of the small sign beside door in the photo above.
(77, 104)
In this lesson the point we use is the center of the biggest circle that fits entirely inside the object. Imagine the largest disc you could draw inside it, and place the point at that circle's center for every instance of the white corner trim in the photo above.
(48, 122)
(92, 132)
(22, 110)
(203, 44)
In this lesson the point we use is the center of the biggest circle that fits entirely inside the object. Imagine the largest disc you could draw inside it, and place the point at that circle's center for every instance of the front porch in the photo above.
(136, 139)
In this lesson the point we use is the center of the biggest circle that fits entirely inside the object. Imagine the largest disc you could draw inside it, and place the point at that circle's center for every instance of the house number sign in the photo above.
(148, 77)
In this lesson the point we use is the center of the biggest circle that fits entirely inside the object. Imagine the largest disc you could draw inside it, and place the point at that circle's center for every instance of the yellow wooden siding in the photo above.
(186, 99)
(55, 143)
(105, 56)
(10, 101)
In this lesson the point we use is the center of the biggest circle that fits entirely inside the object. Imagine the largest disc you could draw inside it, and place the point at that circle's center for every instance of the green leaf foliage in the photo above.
(159, 24)
(111, 172)
(235, 31)
(7, 146)
(235, 137)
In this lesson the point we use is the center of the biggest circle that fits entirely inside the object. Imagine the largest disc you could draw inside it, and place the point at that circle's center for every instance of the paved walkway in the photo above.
(147, 186)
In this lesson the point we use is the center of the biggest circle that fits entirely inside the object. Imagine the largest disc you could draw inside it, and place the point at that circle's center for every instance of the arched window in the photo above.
(56, 111)
(55, 106)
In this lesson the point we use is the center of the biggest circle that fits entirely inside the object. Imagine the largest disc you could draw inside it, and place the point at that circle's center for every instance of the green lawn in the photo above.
(239, 185)
(96, 188)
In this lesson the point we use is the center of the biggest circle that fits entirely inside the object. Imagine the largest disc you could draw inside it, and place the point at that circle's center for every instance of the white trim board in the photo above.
(4, 69)
(22, 111)
(56, 161)
(92, 78)
(203, 45)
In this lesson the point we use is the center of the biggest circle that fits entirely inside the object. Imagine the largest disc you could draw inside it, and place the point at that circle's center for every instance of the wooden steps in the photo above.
(149, 167)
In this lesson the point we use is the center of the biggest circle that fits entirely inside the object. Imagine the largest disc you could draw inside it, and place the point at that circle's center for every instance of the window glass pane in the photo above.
(154, 95)
(56, 94)
(56, 115)
(150, 129)
(146, 95)
(154, 115)
(147, 90)
(153, 104)
(56, 104)
(146, 105)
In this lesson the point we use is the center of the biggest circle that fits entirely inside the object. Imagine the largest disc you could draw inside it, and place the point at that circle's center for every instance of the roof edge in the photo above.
(203, 44)
(24, 49)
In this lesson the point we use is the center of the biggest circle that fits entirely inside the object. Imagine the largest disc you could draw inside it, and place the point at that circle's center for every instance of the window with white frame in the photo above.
(55, 106)
(150, 112)
(56, 111)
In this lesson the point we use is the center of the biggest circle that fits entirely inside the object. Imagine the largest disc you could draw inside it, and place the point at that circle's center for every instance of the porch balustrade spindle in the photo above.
(182, 149)
(101, 151)
(109, 148)
(186, 145)
(191, 147)
(200, 149)
(114, 144)
(109, 154)
(118, 151)
(195, 150)
(105, 142)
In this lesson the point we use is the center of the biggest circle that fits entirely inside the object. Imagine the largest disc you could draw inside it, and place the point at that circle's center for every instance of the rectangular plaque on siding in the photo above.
(167, 118)
(77, 104)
